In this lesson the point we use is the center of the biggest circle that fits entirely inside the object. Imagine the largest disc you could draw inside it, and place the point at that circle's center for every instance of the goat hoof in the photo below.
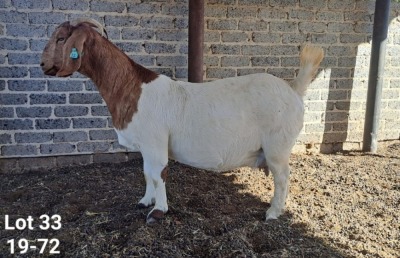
(272, 214)
(141, 206)
(270, 218)
(154, 216)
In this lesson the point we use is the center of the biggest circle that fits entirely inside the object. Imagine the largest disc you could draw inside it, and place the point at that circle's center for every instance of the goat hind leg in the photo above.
(280, 171)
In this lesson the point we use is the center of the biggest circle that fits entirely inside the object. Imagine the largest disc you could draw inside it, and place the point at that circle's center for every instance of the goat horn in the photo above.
(100, 28)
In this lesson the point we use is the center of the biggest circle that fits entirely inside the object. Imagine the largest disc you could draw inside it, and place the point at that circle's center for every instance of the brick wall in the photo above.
(46, 116)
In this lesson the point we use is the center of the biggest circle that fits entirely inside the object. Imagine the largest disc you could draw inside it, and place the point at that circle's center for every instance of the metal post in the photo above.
(196, 39)
(375, 80)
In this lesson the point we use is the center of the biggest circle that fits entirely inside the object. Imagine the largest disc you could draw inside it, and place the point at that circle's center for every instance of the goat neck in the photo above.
(118, 78)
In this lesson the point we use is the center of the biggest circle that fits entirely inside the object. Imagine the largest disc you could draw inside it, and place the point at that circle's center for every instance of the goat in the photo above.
(250, 120)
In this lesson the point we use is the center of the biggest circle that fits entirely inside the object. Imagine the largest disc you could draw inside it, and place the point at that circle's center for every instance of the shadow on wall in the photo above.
(347, 67)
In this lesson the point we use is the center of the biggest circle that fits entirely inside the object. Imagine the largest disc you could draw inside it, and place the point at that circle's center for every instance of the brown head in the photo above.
(68, 37)
(77, 46)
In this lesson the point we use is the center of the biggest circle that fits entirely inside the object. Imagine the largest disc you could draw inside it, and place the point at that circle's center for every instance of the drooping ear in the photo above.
(72, 53)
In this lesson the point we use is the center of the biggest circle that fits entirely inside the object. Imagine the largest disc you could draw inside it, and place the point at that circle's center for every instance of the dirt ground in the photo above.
(340, 205)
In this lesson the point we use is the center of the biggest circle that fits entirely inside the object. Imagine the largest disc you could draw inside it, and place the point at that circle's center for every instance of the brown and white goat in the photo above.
(250, 120)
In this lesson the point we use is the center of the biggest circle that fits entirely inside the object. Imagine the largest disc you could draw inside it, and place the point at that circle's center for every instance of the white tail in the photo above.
(310, 58)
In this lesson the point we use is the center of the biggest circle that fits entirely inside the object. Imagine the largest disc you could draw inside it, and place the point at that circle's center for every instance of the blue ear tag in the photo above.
(74, 53)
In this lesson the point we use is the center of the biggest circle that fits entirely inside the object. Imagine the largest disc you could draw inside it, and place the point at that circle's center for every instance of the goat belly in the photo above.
(214, 157)
(215, 163)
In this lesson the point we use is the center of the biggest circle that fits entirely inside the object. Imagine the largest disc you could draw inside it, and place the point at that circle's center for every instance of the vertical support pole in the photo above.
(376, 70)
(196, 40)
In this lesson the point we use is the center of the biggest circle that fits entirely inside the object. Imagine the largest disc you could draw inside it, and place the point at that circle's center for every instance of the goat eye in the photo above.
(60, 40)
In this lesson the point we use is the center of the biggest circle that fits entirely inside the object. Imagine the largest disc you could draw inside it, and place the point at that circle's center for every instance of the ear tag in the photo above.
(74, 54)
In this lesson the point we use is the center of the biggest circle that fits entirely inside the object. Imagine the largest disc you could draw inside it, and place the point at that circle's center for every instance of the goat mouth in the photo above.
(52, 71)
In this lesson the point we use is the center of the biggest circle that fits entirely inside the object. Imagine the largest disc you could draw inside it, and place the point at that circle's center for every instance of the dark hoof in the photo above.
(265, 169)
(154, 216)
(141, 206)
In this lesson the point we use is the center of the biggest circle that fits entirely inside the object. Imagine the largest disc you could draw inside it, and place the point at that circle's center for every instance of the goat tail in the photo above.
(310, 58)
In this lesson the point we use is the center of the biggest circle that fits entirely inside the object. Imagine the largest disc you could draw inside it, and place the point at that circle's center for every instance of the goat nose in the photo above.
(41, 64)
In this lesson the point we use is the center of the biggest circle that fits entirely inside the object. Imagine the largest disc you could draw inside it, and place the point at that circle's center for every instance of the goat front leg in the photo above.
(156, 175)
(149, 197)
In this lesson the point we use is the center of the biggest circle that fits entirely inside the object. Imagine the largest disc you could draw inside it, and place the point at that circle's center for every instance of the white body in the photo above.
(219, 125)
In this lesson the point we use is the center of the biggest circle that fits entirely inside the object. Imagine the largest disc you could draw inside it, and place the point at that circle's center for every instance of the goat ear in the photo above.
(72, 53)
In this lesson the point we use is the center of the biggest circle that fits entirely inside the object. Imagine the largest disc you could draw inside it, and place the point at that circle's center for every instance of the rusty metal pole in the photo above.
(196, 40)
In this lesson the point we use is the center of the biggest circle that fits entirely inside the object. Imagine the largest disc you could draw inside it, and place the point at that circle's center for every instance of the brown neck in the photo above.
(117, 77)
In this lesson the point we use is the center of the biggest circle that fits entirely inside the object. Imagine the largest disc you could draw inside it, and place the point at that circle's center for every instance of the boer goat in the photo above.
(250, 120)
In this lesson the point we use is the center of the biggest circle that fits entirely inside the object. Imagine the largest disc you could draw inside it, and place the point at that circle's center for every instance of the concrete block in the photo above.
(47, 98)
(36, 163)
(158, 48)
(234, 37)
(143, 8)
(58, 123)
(175, 9)
(121, 21)
(100, 111)
(47, 18)
(265, 61)
(13, 17)
(225, 49)
(5, 138)
(78, 5)
(13, 44)
(26, 85)
(235, 61)
(6, 112)
(103, 135)
(26, 30)
(32, 4)
(220, 73)
(65, 85)
(93, 147)
(13, 98)
(16, 124)
(107, 6)
(221, 24)
(89, 122)
(71, 136)
(18, 150)
(74, 160)
(171, 61)
(157, 22)
(13, 72)
(33, 111)
(70, 111)
(110, 157)
(59, 148)
(33, 137)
